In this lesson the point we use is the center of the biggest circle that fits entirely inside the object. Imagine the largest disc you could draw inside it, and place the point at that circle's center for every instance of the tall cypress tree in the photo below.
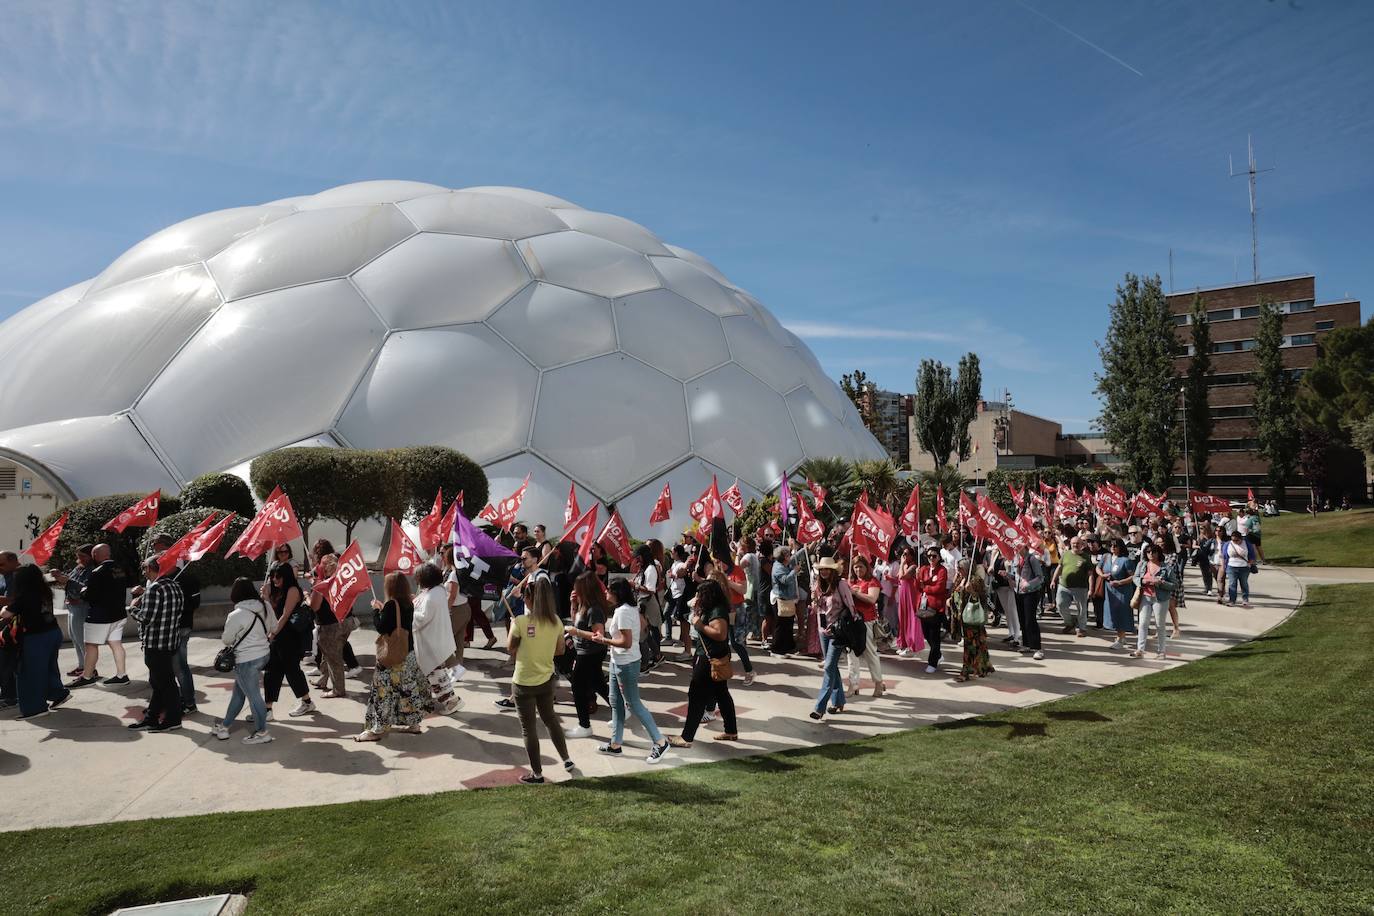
(1137, 385)
(1199, 415)
(1276, 414)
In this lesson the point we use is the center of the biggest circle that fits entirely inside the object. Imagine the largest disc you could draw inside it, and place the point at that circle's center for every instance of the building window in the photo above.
(1325, 325)
(1244, 410)
(1220, 315)
(1302, 305)
(1229, 378)
(1179, 320)
(1233, 445)
(1183, 350)
(1302, 340)
(1250, 311)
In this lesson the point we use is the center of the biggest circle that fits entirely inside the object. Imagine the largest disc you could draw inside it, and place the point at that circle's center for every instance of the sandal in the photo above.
(678, 741)
(961, 678)
(368, 735)
(409, 729)
(725, 736)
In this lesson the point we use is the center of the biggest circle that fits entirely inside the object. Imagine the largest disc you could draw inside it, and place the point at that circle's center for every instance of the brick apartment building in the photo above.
(888, 414)
(1232, 312)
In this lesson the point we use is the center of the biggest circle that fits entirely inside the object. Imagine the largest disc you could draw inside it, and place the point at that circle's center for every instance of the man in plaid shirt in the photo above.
(158, 612)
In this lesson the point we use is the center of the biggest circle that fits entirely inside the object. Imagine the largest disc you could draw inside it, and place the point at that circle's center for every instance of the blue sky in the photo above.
(895, 181)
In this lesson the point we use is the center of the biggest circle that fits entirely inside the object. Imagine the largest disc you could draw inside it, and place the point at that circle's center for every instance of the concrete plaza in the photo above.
(81, 765)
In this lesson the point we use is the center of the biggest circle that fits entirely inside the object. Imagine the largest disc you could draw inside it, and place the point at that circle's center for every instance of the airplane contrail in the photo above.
(1100, 50)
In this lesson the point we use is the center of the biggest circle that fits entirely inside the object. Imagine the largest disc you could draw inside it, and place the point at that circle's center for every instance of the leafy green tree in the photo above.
(366, 485)
(425, 469)
(854, 385)
(84, 523)
(306, 474)
(945, 406)
(1314, 460)
(879, 478)
(1137, 381)
(833, 475)
(1198, 416)
(948, 477)
(214, 568)
(219, 491)
(1338, 390)
(1276, 415)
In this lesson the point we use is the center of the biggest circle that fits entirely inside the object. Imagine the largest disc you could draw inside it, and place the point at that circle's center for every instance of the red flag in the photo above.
(911, 515)
(274, 524)
(1026, 525)
(699, 533)
(708, 505)
(1065, 496)
(432, 526)
(583, 533)
(1206, 503)
(1046, 489)
(1116, 491)
(940, 518)
(997, 527)
(42, 547)
(489, 514)
(616, 539)
(248, 543)
(349, 581)
(872, 533)
(168, 560)
(968, 515)
(450, 519)
(733, 498)
(809, 529)
(1017, 496)
(208, 541)
(508, 509)
(1249, 495)
(663, 507)
(141, 514)
(402, 555)
(570, 509)
(818, 492)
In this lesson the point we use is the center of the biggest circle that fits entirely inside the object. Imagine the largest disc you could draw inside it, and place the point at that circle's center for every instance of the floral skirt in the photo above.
(976, 660)
(400, 697)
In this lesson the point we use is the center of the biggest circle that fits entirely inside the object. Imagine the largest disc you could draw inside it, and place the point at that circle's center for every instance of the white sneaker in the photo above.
(1160, 656)
(1117, 645)
(578, 732)
(903, 653)
(248, 716)
(220, 731)
(931, 669)
(303, 708)
(1039, 655)
(748, 679)
(258, 738)
(707, 716)
(356, 673)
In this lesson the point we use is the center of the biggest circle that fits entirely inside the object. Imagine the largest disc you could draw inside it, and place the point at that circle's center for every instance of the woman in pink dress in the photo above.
(909, 637)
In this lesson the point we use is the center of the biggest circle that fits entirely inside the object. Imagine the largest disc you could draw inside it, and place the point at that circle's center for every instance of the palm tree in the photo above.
(833, 475)
(951, 480)
(880, 478)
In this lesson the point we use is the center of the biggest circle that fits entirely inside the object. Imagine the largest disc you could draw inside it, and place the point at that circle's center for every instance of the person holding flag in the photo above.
(400, 694)
(290, 636)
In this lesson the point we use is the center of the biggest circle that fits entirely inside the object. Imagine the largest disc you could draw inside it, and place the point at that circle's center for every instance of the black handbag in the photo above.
(225, 659)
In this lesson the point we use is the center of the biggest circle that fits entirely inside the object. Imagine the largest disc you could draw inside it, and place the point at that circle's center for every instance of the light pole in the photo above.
(1187, 482)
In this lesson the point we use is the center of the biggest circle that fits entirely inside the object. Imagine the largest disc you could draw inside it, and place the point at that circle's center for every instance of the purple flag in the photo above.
(785, 502)
(475, 540)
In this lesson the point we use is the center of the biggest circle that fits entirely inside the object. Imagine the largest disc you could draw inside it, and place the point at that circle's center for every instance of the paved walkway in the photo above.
(1329, 575)
(80, 765)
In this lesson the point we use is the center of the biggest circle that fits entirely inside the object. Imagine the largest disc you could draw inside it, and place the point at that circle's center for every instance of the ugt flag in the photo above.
(43, 546)
(141, 514)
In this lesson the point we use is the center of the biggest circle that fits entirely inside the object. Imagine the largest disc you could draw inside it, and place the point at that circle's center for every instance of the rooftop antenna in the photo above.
(1251, 172)
(1171, 270)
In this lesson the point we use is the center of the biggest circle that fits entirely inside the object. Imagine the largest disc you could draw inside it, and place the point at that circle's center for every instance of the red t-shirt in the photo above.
(736, 576)
(868, 610)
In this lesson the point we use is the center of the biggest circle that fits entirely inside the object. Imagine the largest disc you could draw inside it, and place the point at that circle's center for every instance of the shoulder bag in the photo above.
(393, 647)
(973, 613)
(226, 659)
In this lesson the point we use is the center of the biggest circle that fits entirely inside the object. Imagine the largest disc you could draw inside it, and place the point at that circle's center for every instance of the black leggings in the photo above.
(933, 628)
(538, 700)
(783, 641)
(284, 660)
(702, 688)
(1027, 608)
(588, 680)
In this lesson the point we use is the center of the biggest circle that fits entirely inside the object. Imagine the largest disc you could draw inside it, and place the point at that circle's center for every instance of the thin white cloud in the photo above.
(1098, 48)
(821, 330)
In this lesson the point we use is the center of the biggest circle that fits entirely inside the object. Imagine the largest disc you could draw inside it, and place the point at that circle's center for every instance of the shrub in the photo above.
(366, 484)
(86, 516)
(212, 569)
(219, 491)
(424, 469)
(307, 474)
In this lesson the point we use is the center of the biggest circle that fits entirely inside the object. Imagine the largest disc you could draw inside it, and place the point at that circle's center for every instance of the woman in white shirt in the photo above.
(622, 635)
(433, 628)
(246, 629)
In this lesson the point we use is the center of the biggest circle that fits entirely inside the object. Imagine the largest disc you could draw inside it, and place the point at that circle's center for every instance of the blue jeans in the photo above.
(625, 692)
(1238, 575)
(248, 685)
(739, 633)
(182, 669)
(76, 625)
(39, 679)
(832, 685)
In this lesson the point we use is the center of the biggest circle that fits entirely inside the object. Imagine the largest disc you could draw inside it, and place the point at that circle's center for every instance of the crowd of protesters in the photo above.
(721, 598)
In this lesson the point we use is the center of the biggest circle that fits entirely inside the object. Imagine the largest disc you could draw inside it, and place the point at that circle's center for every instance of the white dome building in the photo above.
(534, 335)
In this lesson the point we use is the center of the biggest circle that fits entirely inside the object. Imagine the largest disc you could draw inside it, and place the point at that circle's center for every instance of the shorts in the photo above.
(97, 634)
(1254, 538)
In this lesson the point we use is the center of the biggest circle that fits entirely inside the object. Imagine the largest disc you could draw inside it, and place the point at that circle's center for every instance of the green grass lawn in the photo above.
(1241, 783)
(1331, 539)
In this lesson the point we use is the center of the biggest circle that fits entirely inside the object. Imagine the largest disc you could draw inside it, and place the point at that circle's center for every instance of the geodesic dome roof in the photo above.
(534, 335)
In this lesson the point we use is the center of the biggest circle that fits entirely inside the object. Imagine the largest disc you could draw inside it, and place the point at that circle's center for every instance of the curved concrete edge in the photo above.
(313, 759)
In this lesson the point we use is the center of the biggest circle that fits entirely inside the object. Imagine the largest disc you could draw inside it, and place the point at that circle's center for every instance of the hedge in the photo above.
(425, 469)
(212, 569)
(366, 484)
(219, 491)
(84, 521)
(307, 476)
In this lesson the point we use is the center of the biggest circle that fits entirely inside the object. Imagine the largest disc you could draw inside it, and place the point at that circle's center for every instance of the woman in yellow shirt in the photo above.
(535, 638)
